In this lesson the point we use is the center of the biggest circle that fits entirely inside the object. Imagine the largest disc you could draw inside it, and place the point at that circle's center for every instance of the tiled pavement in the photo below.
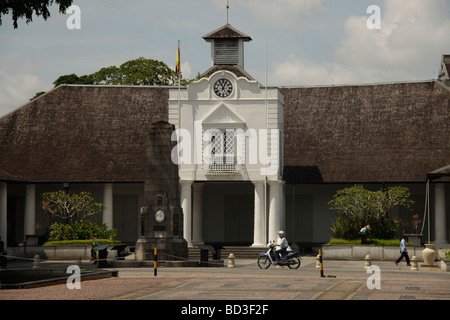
(343, 280)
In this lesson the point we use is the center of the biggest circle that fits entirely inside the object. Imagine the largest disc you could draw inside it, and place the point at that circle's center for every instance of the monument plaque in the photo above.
(161, 216)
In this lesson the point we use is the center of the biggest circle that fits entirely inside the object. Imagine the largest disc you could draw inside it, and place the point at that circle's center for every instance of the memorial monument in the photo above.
(161, 218)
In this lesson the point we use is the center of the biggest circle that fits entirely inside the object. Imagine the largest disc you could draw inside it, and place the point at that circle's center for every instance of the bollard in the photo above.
(317, 262)
(155, 266)
(414, 265)
(368, 260)
(78, 262)
(321, 263)
(321, 266)
(36, 262)
(231, 261)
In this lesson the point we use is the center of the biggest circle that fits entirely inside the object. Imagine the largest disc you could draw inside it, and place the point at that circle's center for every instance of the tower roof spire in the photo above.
(226, 32)
(228, 8)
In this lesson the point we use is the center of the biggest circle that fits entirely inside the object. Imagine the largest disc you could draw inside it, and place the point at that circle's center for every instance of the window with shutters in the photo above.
(226, 52)
(221, 158)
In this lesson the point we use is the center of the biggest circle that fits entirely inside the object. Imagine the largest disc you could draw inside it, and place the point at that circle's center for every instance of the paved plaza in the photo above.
(342, 280)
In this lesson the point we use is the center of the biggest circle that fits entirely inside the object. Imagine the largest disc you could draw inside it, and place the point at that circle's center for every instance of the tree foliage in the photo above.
(357, 207)
(26, 8)
(72, 79)
(80, 230)
(140, 71)
(70, 206)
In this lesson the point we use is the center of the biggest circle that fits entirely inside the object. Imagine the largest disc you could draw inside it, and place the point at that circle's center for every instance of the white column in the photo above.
(30, 210)
(440, 237)
(3, 212)
(259, 231)
(197, 223)
(186, 205)
(108, 203)
(276, 212)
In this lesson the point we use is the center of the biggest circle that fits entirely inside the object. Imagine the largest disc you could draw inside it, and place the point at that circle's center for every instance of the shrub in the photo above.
(79, 230)
(357, 207)
(447, 255)
(373, 242)
(79, 242)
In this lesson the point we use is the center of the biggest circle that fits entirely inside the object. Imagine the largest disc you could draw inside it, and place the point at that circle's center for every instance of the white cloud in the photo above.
(296, 71)
(413, 36)
(281, 13)
(18, 82)
(186, 70)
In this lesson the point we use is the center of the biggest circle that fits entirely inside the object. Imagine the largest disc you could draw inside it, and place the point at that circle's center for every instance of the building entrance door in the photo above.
(125, 217)
(239, 216)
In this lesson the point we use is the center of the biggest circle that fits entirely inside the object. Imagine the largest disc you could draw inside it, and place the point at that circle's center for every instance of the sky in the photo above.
(294, 42)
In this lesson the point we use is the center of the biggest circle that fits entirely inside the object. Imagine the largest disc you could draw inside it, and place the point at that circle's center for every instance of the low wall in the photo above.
(56, 252)
(379, 253)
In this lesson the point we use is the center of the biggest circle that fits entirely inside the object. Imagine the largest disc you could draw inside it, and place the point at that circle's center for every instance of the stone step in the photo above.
(240, 252)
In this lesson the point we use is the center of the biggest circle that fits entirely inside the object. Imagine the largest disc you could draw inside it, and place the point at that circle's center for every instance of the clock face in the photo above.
(223, 88)
(159, 216)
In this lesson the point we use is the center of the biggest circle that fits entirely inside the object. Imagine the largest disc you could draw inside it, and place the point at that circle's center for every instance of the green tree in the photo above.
(37, 95)
(140, 71)
(73, 79)
(25, 8)
(137, 72)
(357, 207)
(70, 206)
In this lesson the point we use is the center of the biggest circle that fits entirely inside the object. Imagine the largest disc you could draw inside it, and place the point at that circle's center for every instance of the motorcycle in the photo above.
(290, 259)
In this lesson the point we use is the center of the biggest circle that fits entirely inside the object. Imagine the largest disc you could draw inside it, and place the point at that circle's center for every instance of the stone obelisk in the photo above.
(161, 218)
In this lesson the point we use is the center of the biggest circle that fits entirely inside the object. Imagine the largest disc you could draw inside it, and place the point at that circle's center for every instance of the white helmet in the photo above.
(281, 233)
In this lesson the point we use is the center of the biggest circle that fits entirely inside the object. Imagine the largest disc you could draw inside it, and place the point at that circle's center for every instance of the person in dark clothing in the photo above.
(3, 260)
(364, 233)
(94, 249)
(403, 252)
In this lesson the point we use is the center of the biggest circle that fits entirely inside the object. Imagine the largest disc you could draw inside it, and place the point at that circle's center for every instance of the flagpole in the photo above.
(179, 84)
(267, 128)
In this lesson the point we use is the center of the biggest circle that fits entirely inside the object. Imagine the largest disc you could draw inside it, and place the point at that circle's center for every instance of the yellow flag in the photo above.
(178, 67)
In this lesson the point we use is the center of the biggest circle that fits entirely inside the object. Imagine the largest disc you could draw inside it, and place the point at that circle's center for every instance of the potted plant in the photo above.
(445, 261)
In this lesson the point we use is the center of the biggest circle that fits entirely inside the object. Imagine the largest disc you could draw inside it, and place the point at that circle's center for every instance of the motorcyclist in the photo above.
(283, 244)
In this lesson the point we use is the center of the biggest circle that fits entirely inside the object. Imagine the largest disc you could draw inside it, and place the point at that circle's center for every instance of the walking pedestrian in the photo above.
(403, 252)
(94, 250)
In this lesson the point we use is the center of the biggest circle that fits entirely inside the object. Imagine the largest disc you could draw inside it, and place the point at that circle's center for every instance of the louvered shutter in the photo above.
(226, 52)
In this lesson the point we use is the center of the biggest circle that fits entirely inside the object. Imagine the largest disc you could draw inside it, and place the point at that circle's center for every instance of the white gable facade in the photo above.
(229, 129)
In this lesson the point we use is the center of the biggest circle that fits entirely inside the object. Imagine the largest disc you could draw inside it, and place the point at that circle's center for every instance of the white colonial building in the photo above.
(252, 160)
(231, 139)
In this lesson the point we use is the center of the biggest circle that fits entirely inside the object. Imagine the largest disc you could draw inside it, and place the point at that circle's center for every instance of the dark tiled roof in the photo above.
(368, 133)
(81, 133)
(227, 32)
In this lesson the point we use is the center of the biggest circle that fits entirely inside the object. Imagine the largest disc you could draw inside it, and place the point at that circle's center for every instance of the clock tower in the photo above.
(227, 53)
(231, 130)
